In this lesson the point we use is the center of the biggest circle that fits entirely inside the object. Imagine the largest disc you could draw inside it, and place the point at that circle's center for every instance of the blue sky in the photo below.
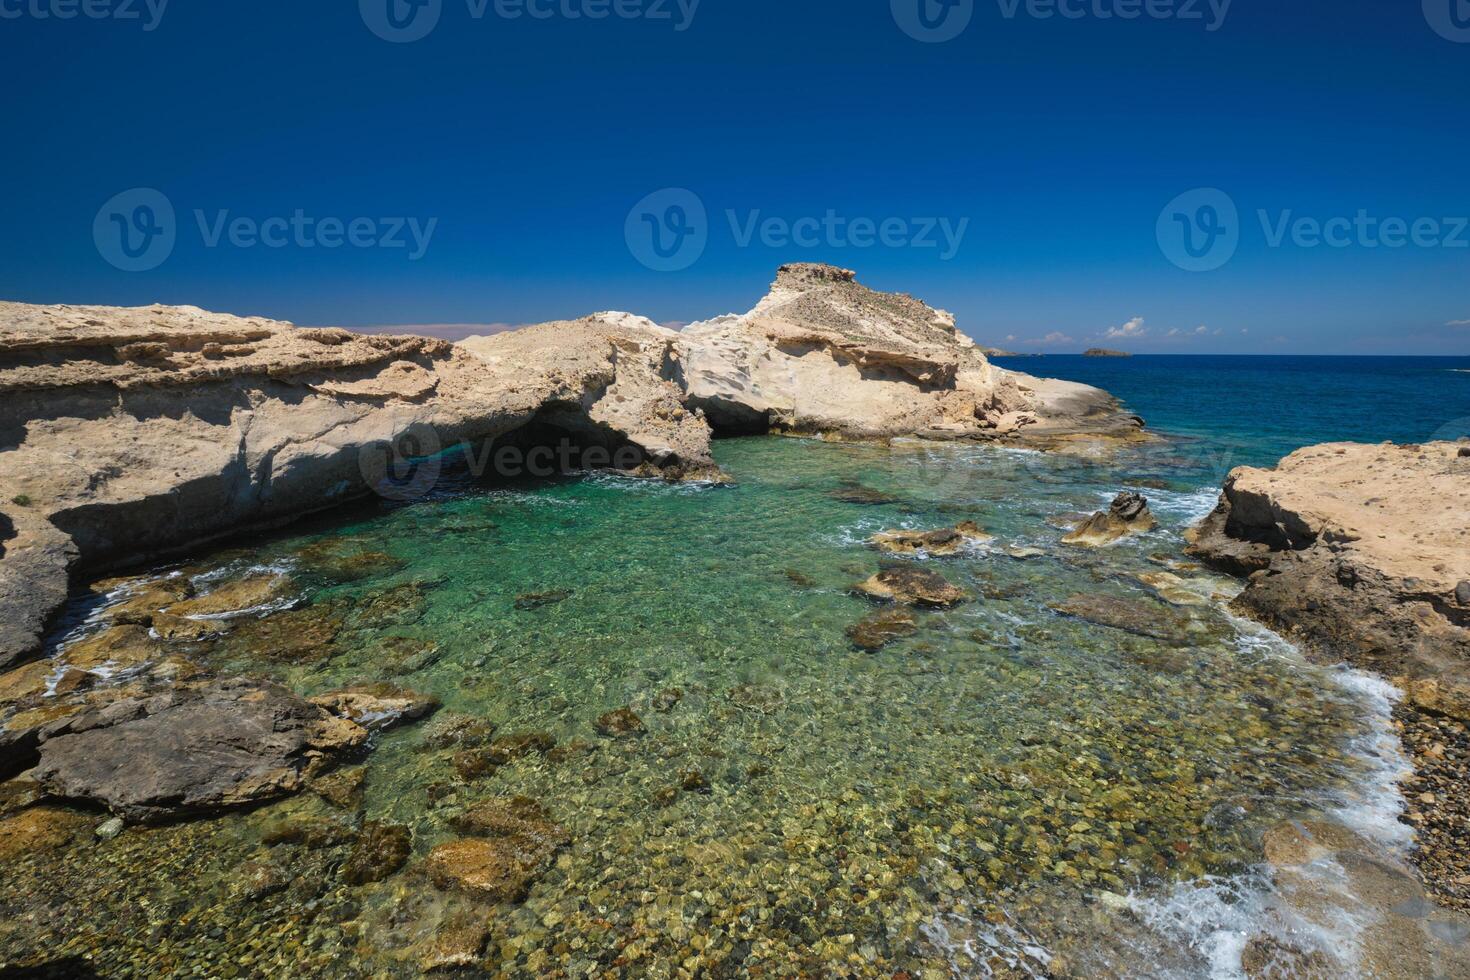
(1050, 147)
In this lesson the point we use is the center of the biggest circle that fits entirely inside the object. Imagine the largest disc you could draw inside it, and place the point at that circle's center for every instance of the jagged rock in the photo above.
(912, 587)
(194, 749)
(882, 628)
(1357, 552)
(1129, 514)
(944, 542)
(293, 637)
(377, 707)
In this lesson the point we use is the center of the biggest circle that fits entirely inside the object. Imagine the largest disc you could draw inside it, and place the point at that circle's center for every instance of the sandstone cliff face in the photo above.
(126, 433)
(1363, 553)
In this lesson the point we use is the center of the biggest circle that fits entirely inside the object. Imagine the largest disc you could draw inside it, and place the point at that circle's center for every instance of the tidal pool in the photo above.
(1008, 791)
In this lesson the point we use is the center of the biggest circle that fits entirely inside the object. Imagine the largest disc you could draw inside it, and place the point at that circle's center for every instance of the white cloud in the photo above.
(1010, 336)
(1133, 328)
(1053, 339)
(1201, 330)
(1458, 323)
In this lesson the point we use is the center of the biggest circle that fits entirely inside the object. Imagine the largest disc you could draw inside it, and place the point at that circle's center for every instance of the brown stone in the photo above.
(37, 830)
(380, 851)
(942, 543)
(882, 628)
(912, 587)
(619, 723)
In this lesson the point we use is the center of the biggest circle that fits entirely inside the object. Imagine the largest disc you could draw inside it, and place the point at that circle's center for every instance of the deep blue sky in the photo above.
(530, 140)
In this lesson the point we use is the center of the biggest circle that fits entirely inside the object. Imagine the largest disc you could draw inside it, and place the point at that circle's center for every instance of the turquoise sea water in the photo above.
(1255, 409)
(976, 798)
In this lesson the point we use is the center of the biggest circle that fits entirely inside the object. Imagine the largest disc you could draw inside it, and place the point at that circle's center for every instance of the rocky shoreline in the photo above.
(128, 434)
(1361, 553)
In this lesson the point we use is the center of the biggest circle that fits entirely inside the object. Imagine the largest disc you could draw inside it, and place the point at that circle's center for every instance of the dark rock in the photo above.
(401, 605)
(343, 790)
(621, 722)
(695, 782)
(256, 880)
(459, 731)
(195, 749)
(1462, 593)
(474, 764)
(312, 833)
(537, 600)
(519, 816)
(381, 849)
(667, 699)
(509, 747)
(882, 628)
(798, 579)
(863, 496)
(298, 636)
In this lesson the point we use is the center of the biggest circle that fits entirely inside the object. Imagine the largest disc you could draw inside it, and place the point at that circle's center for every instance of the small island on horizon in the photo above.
(1104, 352)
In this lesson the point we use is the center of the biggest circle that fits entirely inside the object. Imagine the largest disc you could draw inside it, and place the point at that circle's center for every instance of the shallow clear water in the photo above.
(955, 802)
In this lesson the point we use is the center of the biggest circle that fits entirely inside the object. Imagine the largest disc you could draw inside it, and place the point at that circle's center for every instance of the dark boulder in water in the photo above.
(1129, 514)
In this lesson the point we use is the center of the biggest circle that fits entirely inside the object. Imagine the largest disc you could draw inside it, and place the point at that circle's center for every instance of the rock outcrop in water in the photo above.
(824, 354)
(1363, 553)
(129, 433)
(1128, 514)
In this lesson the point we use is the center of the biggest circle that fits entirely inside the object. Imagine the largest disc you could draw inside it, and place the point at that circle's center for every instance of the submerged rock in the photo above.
(38, 830)
(513, 843)
(194, 749)
(122, 646)
(619, 723)
(882, 628)
(1129, 514)
(458, 943)
(356, 567)
(537, 600)
(912, 587)
(944, 542)
(299, 636)
(401, 605)
(234, 597)
(1139, 617)
(863, 496)
(380, 851)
